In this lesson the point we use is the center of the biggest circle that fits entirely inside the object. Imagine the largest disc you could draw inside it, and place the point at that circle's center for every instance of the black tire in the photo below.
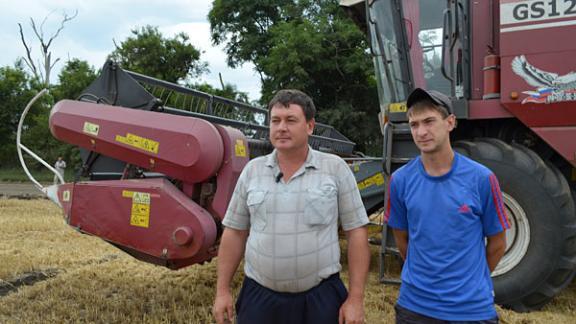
(539, 202)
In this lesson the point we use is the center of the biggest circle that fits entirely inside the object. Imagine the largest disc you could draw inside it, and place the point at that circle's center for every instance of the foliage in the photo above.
(15, 92)
(76, 76)
(229, 91)
(42, 175)
(16, 89)
(243, 25)
(148, 52)
(311, 46)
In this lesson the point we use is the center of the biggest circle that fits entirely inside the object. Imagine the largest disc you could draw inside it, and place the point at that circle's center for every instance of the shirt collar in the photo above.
(311, 159)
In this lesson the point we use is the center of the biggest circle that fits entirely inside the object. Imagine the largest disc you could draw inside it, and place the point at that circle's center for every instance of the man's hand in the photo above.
(352, 311)
(230, 253)
(495, 249)
(223, 309)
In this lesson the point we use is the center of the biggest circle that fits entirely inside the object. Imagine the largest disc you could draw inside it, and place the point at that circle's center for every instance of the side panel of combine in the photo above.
(537, 69)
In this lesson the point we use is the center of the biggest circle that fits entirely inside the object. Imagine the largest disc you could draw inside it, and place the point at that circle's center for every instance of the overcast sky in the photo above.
(90, 35)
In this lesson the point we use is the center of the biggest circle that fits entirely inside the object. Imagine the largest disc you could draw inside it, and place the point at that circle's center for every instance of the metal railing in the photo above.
(251, 120)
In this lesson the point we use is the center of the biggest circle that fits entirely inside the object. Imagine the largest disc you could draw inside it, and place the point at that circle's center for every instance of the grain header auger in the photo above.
(161, 163)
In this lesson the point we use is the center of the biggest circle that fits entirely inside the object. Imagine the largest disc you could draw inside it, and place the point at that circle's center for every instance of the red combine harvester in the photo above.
(160, 163)
(508, 67)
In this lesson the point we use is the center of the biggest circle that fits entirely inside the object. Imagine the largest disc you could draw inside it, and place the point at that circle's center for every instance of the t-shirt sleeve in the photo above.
(238, 215)
(395, 213)
(352, 213)
(494, 218)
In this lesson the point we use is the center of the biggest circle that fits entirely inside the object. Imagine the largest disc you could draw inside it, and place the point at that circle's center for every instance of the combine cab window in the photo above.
(424, 22)
(406, 38)
(390, 51)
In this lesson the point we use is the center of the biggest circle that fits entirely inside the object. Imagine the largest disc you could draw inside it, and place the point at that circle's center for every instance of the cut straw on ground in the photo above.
(49, 273)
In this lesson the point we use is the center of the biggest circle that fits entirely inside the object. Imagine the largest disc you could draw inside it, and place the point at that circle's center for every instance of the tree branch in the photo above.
(45, 46)
(64, 21)
(28, 59)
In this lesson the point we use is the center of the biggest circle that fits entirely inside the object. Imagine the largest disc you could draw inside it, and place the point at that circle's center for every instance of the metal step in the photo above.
(399, 149)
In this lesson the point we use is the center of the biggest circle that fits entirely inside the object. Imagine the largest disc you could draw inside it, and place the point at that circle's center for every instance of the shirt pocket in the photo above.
(257, 207)
(321, 206)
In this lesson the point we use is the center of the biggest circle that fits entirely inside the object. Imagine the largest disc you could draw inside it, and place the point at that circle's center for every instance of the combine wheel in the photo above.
(540, 258)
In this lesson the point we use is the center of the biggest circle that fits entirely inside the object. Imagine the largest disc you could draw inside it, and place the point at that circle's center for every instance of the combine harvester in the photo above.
(508, 67)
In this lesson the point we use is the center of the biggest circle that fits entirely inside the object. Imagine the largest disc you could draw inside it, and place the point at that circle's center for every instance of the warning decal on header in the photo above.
(140, 211)
(240, 148)
(375, 180)
(91, 129)
(142, 143)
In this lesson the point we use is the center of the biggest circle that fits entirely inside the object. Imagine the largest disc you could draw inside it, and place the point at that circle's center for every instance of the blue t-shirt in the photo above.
(446, 274)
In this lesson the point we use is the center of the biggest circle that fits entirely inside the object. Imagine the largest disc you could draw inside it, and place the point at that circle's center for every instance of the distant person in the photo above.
(441, 207)
(60, 165)
(283, 219)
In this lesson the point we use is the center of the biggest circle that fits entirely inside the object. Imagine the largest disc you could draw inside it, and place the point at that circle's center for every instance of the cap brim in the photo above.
(418, 95)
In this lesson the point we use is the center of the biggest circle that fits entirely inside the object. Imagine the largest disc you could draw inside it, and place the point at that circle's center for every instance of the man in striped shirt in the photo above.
(283, 219)
(441, 207)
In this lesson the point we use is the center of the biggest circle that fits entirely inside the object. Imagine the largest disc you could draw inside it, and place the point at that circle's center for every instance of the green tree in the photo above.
(148, 52)
(311, 46)
(74, 77)
(243, 25)
(229, 91)
(15, 92)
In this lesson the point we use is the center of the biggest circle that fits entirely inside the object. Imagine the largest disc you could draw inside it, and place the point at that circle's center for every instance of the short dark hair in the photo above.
(426, 104)
(286, 97)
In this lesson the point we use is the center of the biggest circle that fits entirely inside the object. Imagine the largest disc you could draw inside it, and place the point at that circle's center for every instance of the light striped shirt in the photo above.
(293, 241)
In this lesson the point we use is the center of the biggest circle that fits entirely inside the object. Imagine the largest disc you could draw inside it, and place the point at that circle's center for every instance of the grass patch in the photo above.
(43, 175)
(93, 282)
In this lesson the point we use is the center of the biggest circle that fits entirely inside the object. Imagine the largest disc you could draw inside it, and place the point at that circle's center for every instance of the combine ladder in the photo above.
(398, 149)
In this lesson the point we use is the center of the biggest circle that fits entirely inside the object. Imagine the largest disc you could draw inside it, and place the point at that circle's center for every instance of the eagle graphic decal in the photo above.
(550, 87)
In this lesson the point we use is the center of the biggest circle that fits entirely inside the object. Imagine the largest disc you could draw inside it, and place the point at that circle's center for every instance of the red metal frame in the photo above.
(185, 148)
(152, 219)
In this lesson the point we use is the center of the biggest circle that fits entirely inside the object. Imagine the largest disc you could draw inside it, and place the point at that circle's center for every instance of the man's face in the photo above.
(430, 130)
(289, 129)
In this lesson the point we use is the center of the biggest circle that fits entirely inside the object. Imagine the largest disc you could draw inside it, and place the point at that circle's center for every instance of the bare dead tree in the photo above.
(41, 69)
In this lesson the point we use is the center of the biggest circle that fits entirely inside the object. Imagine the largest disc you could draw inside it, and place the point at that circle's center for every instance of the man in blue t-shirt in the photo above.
(441, 206)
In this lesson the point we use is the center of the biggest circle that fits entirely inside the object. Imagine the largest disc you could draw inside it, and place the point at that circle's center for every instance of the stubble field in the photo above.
(50, 273)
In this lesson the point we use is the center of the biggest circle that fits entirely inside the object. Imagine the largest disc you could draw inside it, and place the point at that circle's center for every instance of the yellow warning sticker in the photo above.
(91, 129)
(398, 107)
(375, 180)
(140, 215)
(140, 211)
(142, 143)
(240, 148)
(141, 198)
(66, 195)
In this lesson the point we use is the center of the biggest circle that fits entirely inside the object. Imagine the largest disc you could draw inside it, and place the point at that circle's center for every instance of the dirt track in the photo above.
(19, 190)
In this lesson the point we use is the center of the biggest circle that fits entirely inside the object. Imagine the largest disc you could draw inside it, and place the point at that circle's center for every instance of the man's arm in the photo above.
(401, 238)
(230, 253)
(352, 311)
(495, 249)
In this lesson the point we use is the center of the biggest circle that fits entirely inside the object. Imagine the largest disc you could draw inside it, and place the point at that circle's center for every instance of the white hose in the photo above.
(20, 147)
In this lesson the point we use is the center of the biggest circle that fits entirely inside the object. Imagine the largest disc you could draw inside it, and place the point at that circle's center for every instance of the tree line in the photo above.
(303, 44)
